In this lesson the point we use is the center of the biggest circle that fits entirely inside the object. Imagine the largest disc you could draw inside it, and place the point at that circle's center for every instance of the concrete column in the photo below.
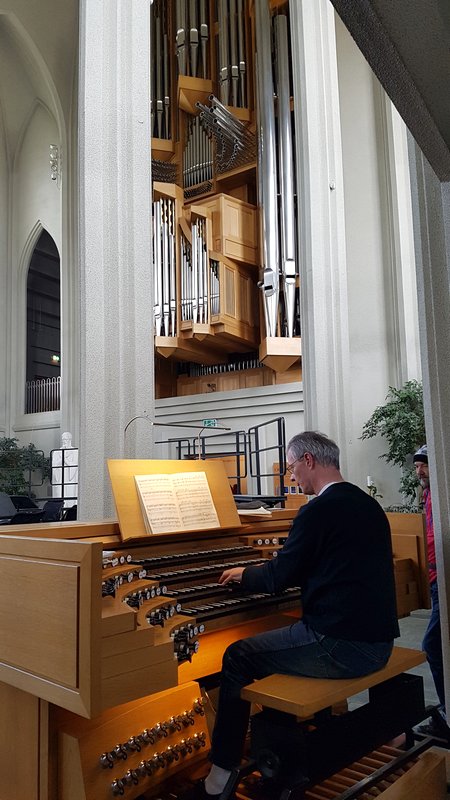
(116, 347)
(399, 257)
(431, 212)
(323, 283)
(70, 287)
(356, 248)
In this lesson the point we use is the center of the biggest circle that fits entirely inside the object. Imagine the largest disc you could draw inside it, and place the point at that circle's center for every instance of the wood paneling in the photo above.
(19, 744)
(82, 742)
(49, 594)
(52, 654)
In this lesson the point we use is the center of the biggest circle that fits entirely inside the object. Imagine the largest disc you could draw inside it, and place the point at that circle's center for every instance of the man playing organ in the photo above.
(339, 552)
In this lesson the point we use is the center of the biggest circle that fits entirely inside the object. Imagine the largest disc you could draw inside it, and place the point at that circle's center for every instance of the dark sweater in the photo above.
(339, 552)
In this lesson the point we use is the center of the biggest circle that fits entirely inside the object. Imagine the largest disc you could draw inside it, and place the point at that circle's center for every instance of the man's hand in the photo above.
(229, 575)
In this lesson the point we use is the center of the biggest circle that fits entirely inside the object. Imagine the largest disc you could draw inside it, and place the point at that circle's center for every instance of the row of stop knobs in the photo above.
(151, 735)
(111, 584)
(185, 644)
(158, 761)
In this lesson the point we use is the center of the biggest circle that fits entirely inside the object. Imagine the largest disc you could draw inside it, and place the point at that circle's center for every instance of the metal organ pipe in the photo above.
(193, 37)
(232, 52)
(181, 35)
(223, 50)
(165, 300)
(197, 158)
(268, 165)
(241, 49)
(204, 34)
(216, 129)
(160, 99)
(286, 172)
(157, 265)
(234, 66)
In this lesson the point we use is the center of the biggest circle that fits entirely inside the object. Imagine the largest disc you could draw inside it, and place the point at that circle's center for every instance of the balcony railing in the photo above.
(42, 395)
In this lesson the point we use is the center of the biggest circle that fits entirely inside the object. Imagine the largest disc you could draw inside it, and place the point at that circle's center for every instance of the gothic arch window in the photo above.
(43, 368)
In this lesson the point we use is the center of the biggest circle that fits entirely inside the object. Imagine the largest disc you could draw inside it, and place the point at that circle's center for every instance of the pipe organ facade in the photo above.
(225, 264)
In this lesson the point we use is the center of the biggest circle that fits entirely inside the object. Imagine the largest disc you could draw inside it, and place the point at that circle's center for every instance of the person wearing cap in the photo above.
(432, 642)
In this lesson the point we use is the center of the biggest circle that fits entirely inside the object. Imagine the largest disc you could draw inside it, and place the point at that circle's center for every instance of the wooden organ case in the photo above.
(99, 669)
(225, 317)
(100, 674)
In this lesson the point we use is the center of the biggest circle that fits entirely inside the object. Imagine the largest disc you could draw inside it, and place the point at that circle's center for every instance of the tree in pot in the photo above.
(401, 422)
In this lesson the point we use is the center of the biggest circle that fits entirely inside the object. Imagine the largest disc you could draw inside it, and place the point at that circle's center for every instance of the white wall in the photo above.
(36, 196)
(379, 246)
(38, 48)
(43, 430)
(48, 30)
(36, 205)
(4, 222)
(369, 368)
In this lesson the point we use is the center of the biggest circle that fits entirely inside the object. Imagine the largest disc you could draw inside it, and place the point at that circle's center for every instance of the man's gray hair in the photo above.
(324, 450)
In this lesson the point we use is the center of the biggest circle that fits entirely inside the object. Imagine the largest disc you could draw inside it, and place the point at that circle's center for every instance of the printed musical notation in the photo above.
(178, 502)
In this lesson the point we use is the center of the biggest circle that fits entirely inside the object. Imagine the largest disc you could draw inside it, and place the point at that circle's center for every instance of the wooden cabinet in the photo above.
(234, 228)
(210, 279)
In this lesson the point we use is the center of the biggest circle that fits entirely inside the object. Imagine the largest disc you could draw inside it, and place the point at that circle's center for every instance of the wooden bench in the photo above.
(304, 697)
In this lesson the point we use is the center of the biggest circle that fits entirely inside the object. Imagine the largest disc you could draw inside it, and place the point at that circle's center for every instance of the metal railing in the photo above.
(197, 448)
(64, 474)
(42, 395)
(258, 453)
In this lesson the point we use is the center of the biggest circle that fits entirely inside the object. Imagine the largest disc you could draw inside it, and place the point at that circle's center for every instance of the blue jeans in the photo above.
(295, 650)
(432, 645)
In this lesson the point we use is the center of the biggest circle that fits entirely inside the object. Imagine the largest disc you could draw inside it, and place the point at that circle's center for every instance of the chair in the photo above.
(52, 510)
(22, 518)
(69, 514)
(22, 502)
(7, 508)
(26, 506)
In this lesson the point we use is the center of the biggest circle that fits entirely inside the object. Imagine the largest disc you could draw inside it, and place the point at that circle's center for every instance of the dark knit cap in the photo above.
(421, 454)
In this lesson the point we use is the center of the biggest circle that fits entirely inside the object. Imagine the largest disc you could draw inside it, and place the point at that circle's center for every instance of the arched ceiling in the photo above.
(19, 86)
(407, 44)
(37, 63)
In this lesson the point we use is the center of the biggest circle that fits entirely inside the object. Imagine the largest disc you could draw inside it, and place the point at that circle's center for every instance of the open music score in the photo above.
(211, 508)
(178, 502)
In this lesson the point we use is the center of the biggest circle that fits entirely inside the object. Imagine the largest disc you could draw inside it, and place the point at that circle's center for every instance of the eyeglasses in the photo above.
(290, 467)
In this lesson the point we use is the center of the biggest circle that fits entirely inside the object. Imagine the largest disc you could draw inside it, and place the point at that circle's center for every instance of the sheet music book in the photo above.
(254, 512)
(181, 501)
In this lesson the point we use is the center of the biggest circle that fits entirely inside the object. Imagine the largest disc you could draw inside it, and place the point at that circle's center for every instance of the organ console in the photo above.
(106, 645)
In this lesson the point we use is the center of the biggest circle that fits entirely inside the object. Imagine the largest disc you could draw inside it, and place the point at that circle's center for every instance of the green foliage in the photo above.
(401, 422)
(17, 464)
(406, 508)
(409, 483)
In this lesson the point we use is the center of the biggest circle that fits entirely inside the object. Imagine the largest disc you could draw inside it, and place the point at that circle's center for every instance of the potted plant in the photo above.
(401, 422)
(17, 465)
